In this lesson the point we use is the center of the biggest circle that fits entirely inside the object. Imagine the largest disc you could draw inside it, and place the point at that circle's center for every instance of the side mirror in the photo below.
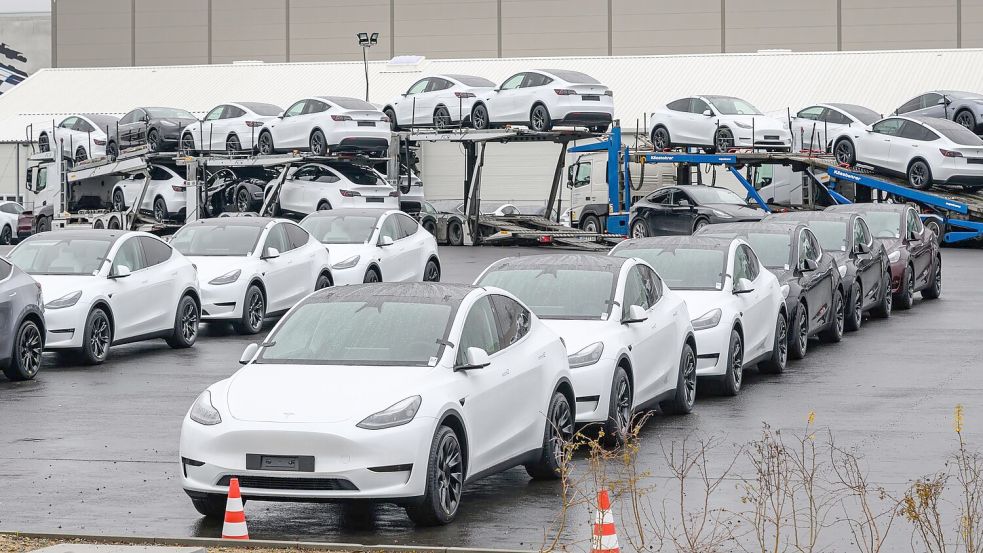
(477, 358)
(942, 101)
(809, 265)
(386, 241)
(743, 286)
(122, 271)
(280, 115)
(862, 248)
(635, 314)
(271, 253)
(708, 113)
(248, 353)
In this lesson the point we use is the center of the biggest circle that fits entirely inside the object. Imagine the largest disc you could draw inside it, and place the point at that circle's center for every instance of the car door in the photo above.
(643, 337)
(427, 102)
(913, 140)
(930, 105)
(919, 248)
(134, 310)
(291, 130)
(66, 135)
(162, 283)
(756, 309)
(875, 147)
(659, 372)
(502, 104)
(677, 121)
(682, 212)
(296, 188)
(525, 378)
(276, 271)
(416, 252)
(702, 126)
(655, 212)
(404, 108)
(869, 269)
(807, 128)
(394, 259)
(211, 131)
(126, 127)
(300, 264)
(817, 284)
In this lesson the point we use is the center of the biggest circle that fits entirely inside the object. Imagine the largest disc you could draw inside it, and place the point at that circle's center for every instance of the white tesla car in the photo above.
(322, 186)
(108, 287)
(814, 127)
(437, 101)
(629, 340)
(229, 127)
(166, 196)
(922, 150)
(546, 98)
(252, 267)
(401, 392)
(717, 123)
(82, 136)
(9, 213)
(737, 304)
(371, 245)
(322, 124)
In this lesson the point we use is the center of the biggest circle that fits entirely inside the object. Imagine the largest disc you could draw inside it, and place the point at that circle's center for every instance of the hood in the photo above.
(743, 212)
(577, 334)
(699, 302)
(57, 286)
(212, 266)
(319, 393)
(890, 244)
(341, 252)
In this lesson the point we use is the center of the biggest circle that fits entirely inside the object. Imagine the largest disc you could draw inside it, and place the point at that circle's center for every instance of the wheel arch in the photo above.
(375, 267)
(325, 271)
(258, 282)
(453, 420)
(625, 363)
(690, 340)
(104, 305)
(566, 388)
(36, 318)
(433, 257)
(190, 291)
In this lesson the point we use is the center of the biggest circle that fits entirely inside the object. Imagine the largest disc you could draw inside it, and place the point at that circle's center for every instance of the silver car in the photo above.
(965, 108)
(21, 323)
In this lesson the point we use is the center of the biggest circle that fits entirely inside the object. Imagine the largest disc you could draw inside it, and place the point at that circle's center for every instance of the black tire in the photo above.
(834, 332)
(430, 226)
(937, 229)
(559, 430)
(211, 506)
(265, 143)
(392, 119)
(479, 117)
(934, 290)
(919, 175)
(731, 382)
(25, 359)
(324, 205)
(185, 324)
(798, 336)
(6, 235)
(112, 150)
(113, 223)
(96, 338)
(700, 223)
(723, 139)
(372, 276)
(966, 119)
(441, 118)
(620, 409)
(244, 200)
(323, 281)
(661, 139)
(232, 144)
(854, 308)
(639, 229)
(119, 200)
(253, 312)
(905, 297)
(539, 118)
(590, 223)
(80, 155)
(844, 152)
(153, 140)
(318, 144)
(188, 143)
(685, 397)
(431, 272)
(44, 145)
(160, 210)
(44, 224)
(444, 481)
(883, 308)
(98, 224)
(779, 350)
(455, 233)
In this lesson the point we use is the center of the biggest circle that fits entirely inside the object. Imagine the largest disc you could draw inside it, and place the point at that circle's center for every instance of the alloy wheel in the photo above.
(965, 119)
(479, 118)
(450, 474)
(689, 379)
(153, 140)
(660, 139)
(317, 144)
(938, 277)
(781, 332)
(843, 152)
(160, 211)
(118, 202)
(638, 230)
(80, 155)
(441, 119)
(99, 339)
(6, 236)
(918, 175)
(724, 140)
(432, 273)
(858, 306)
(29, 350)
(371, 277)
(623, 406)
(539, 118)
(887, 293)
(266, 143)
(910, 286)
(232, 144)
(737, 360)
(187, 142)
(256, 310)
(242, 201)
(803, 331)
(189, 322)
(560, 430)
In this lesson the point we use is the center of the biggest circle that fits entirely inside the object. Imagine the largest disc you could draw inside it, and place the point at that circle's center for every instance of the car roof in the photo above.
(933, 122)
(428, 292)
(958, 93)
(701, 242)
(357, 211)
(855, 208)
(768, 227)
(236, 221)
(812, 216)
(82, 234)
(585, 261)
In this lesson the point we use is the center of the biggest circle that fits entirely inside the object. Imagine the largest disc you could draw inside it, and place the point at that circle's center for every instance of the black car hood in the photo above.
(178, 121)
(744, 212)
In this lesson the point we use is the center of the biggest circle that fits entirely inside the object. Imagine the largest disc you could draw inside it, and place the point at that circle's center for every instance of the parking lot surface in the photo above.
(95, 449)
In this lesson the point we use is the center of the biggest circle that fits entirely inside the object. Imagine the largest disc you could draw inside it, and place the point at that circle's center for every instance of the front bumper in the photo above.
(65, 327)
(592, 384)
(897, 273)
(348, 462)
(712, 345)
(352, 275)
(222, 302)
(768, 139)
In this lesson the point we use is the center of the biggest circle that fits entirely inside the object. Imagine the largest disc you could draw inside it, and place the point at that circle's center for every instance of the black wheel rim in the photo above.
(560, 430)
(322, 282)
(6, 235)
(242, 201)
(371, 276)
(478, 118)
(450, 474)
(187, 142)
(661, 139)
(265, 143)
(118, 201)
(858, 305)
(99, 337)
(888, 296)
(781, 337)
(160, 211)
(938, 278)
(843, 153)
(257, 309)
(233, 144)
(29, 350)
(638, 231)
(966, 119)
(153, 140)
(80, 155)
(918, 175)
(623, 407)
(725, 139)
(689, 379)
(189, 321)
(442, 119)
(803, 336)
(839, 314)
(432, 273)
(539, 118)
(317, 144)
(910, 287)
(737, 360)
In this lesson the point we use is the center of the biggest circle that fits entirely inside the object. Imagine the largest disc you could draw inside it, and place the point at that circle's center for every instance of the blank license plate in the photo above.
(271, 462)
(976, 160)
(295, 463)
(375, 200)
(366, 123)
(591, 98)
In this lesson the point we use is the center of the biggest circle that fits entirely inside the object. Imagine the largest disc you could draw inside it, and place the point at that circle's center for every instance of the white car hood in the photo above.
(318, 393)
(57, 286)
(577, 334)
(212, 266)
(700, 302)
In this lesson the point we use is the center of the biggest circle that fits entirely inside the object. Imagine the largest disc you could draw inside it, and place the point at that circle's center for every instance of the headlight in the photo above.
(742, 125)
(722, 214)
(203, 412)
(894, 256)
(395, 415)
(227, 278)
(709, 319)
(348, 263)
(587, 356)
(842, 269)
(785, 290)
(67, 300)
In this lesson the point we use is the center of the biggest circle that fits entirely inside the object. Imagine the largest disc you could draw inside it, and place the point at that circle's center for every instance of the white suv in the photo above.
(165, 196)
(318, 186)
(438, 101)
(545, 98)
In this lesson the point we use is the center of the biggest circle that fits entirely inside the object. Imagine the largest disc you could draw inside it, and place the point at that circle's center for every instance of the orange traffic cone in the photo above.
(235, 517)
(605, 539)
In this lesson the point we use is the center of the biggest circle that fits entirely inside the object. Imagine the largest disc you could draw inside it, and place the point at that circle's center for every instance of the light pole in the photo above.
(366, 41)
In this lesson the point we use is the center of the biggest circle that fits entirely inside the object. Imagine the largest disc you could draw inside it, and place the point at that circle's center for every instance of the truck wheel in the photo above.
(590, 223)
(455, 233)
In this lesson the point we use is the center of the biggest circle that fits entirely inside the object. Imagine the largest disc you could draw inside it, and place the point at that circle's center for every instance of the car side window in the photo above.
(910, 105)
(679, 105)
(5, 269)
(277, 238)
(535, 79)
(890, 127)
(698, 106)
(11, 208)
(804, 247)
(864, 233)
(930, 99)
(295, 109)
(914, 131)
(391, 228)
(835, 117)
(231, 112)
(297, 236)
(314, 106)
(154, 251)
(406, 224)
(814, 251)
(418, 87)
(512, 319)
(159, 173)
(681, 199)
(130, 255)
(216, 113)
(128, 118)
(814, 113)
(635, 292)
(82, 125)
(439, 84)
(68, 122)
(753, 265)
(741, 264)
(652, 284)
(661, 197)
(480, 330)
(322, 174)
(513, 82)
(307, 172)
(914, 223)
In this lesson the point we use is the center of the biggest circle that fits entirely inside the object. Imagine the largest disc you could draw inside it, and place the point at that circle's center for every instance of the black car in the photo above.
(239, 191)
(21, 323)
(686, 209)
(446, 227)
(861, 261)
(158, 128)
(809, 277)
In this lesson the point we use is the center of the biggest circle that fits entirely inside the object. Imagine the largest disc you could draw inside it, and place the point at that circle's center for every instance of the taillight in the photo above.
(254, 124)
(464, 95)
(349, 193)
(179, 187)
(950, 153)
(564, 92)
(341, 118)
(546, 239)
(609, 93)
(98, 142)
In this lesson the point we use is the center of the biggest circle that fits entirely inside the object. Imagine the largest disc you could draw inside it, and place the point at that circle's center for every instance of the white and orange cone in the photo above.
(605, 538)
(235, 518)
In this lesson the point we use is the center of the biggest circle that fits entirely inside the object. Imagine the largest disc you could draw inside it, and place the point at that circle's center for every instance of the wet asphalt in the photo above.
(94, 449)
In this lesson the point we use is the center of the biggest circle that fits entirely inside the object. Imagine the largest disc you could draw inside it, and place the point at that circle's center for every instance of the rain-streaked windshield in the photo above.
(883, 224)
(48, 255)
(774, 250)
(683, 268)
(832, 235)
(387, 331)
(558, 293)
(224, 240)
(340, 229)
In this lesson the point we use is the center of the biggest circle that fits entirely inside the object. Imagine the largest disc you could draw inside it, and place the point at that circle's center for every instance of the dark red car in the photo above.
(912, 249)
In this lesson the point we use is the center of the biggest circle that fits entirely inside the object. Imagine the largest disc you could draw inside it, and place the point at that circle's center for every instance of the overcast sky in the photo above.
(15, 6)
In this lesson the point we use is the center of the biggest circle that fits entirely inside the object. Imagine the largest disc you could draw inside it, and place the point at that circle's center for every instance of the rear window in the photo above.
(102, 121)
(572, 76)
(470, 80)
(862, 114)
(359, 175)
(350, 103)
(262, 109)
(957, 133)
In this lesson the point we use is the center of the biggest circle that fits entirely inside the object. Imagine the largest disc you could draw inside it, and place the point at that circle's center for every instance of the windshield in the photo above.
(732, 106)
(683, 268)
(389, 331)
(558, 293)
(883, 224)
(66, 256)
(714, 195)
(224, 240)
(832, 235)
(359, 175)
(862, 114)
(341, 229)
(773, 250)
(164, 113)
